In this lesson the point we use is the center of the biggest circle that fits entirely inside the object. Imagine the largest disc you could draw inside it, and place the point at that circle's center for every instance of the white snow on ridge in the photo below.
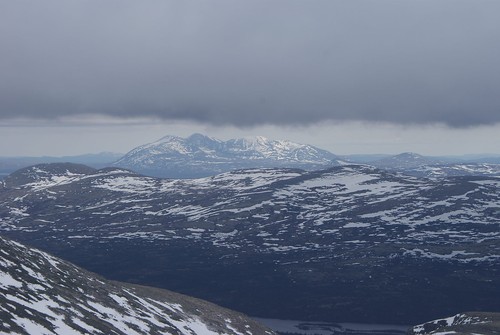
(128, 184)
(458, 255)
(440, 325)
(202, 150)
(249, 179)
(301, 204)
(52, 181)
(111, 306)
(45, 179)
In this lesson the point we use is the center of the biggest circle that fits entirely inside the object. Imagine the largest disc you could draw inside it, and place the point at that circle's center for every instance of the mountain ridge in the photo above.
(324, 240)
(200, 156)
(478, 323)
(41, 294)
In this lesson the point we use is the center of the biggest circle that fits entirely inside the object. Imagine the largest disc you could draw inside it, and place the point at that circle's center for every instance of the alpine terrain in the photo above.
(41, 294)
(477, 323)
(201, 156)
(345, 244)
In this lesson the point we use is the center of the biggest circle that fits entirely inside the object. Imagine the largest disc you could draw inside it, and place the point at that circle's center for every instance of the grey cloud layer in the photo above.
(253, 62)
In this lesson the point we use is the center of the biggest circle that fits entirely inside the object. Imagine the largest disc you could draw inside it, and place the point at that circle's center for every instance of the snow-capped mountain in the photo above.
(349, 243)
(199, 155)
(478, 323)
(41, 294)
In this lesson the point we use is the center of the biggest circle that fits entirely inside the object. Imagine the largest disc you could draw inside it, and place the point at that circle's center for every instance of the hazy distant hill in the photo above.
(41, 294)
(406, 160)
(201, 156)
(432, 167)
(350, 243)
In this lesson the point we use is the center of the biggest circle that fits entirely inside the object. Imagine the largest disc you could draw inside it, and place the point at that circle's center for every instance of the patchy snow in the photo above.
(6, 280)
(456, 255)
(356, 225)
(128, 184)
(91, 302)
(456, 320)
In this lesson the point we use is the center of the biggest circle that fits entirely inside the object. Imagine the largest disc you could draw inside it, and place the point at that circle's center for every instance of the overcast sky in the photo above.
(349, 76)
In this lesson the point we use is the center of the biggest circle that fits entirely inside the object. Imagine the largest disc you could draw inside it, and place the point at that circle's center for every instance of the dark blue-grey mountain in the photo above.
(201, 156)
(349, 243)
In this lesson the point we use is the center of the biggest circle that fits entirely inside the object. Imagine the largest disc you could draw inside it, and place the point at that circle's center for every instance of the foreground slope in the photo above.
(478, 323)
(200, 156)
(350, 243)
(41, 294)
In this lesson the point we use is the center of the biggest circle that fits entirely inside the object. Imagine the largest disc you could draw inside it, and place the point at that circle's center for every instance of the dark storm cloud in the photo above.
(253, 62)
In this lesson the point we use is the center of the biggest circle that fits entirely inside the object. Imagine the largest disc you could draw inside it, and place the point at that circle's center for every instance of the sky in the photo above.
(366, 76)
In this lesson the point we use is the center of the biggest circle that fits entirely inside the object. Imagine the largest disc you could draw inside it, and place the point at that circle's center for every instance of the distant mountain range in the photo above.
(432, 167)
(41, 294)
(201, 156)
(461, 159)
(349, 243)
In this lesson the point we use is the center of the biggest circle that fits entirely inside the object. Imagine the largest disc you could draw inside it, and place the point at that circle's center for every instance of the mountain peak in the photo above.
(199, 155)
(168, 138)
(198, 139)
(198, 136)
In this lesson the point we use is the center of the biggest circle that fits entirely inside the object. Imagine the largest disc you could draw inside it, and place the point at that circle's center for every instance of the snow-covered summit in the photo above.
(259, 147)
(199, 155)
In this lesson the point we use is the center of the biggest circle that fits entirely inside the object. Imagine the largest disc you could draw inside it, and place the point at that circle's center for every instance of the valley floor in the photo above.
(296, 327)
